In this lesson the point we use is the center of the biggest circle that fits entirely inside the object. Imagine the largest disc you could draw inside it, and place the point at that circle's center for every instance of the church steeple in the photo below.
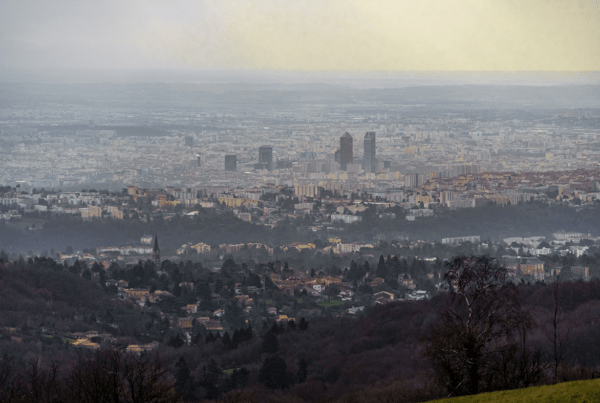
(156, 252)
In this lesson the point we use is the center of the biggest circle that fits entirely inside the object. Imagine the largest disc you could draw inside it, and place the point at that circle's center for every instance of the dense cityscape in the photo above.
(317, 201)
(93, 145)
(224, 238)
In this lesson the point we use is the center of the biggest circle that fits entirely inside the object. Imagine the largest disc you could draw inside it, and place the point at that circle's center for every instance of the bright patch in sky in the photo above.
(312, 35)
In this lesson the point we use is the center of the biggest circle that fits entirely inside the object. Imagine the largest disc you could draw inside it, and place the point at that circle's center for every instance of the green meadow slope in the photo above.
(579, 391)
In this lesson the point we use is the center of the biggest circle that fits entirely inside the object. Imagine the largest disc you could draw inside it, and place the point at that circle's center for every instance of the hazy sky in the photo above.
(383, 35)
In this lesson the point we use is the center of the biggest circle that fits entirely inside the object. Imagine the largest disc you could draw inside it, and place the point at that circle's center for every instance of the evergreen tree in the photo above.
(226, 340)
(76, 268)
(381, 268)
(395, 266)
(403, 266)
(275, 329)
(184, 383)
(302, 370)
(292, 325)
(210, 338)
(212, 378)
(240, 377)
(303, 324)
(269, 285)
(270, 344)
(166, 324)
(176, 341)
(254, 280)
(273, 373)
(97, 268)
(247, 333)
(218, 285)
(197, 339)
(235, 339)
(102, 280)
(203, 291)
(177, 290)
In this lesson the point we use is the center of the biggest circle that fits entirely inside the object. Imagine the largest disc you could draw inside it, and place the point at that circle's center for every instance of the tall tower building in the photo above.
(156, 252)
(370, 161)
(345, 150)
(231, 163)
(265, 156)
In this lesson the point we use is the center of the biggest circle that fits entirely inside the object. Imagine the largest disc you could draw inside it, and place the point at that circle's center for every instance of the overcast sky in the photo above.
(313, 35)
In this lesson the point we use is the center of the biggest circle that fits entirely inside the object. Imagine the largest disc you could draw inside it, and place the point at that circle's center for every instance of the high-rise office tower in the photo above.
(370, 162)
(345, 150)
(230, 163)
(265, 156)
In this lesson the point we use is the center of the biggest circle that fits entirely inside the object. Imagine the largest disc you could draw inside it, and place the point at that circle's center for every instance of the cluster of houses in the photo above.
(89, 340)
(419, 195)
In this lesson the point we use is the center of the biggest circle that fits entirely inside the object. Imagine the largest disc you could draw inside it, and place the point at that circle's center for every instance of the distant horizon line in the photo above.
(383, 78)
(305, 71)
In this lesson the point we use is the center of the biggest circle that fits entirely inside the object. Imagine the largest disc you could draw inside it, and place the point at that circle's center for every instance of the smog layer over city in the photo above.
(317, 201)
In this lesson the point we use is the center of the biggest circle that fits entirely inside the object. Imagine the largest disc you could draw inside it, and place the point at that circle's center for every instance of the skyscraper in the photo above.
(230, 163)
(345, 150)
(370, 162)
(265, 156)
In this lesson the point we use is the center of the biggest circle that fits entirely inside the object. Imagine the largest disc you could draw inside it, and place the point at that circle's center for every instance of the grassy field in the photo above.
(579, 391)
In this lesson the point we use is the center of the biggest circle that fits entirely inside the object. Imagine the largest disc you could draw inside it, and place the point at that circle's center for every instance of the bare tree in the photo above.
(42, 384)
(96, 378)
(12, 386)
(112, 376)
(555, 332)
(147, 380)
(477, 326)
(518, 365)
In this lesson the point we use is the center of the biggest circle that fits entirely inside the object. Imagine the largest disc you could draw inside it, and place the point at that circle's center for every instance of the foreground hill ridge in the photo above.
(578, 391)
(373, 355)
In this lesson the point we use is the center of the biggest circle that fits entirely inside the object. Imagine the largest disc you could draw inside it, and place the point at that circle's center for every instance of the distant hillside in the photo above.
(49, 294)
(221, 98)
(579, 391)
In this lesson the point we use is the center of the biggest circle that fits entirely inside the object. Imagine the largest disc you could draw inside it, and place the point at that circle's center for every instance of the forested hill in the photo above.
(490, 221)
(251, 96)
(497, 222)
(340, 358)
